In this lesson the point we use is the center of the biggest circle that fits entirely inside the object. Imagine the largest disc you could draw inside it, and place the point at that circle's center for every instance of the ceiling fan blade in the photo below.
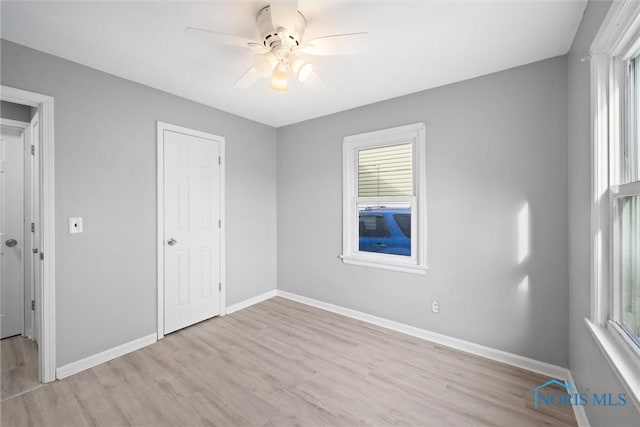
(248, 79)
(340, 44)
(222, 38)
(284, 13)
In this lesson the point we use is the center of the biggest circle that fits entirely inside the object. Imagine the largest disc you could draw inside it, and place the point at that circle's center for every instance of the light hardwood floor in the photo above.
(18, 366)
(283, 363)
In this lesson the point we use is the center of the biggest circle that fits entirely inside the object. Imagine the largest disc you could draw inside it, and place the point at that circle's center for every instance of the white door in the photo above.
(191, 229)
(11, 231)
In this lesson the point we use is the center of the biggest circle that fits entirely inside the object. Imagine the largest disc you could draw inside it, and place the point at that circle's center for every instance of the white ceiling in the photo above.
(416, 45)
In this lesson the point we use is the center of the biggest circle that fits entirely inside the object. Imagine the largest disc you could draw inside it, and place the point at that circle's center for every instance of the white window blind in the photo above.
(386, 171)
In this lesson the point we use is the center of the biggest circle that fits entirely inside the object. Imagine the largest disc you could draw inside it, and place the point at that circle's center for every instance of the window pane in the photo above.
(386, 171)
(630, 268)
(631, 150)
(380, 231)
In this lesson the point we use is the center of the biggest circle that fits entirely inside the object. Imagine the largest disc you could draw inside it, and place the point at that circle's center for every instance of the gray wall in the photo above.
(493, 143)
(589, 368)
(9, 110)
(105, 154)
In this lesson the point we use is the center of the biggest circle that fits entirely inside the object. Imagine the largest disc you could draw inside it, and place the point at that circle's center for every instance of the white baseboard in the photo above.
(466, 346)
(121, 350)
(105, 356)
(578, 411)
(251, 301)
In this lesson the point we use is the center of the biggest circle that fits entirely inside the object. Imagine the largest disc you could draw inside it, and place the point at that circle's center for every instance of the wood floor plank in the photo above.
(281, 363)
(18, 366)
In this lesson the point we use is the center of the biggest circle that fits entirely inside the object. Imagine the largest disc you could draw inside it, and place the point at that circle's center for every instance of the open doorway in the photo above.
(27, 304)
(19, 238)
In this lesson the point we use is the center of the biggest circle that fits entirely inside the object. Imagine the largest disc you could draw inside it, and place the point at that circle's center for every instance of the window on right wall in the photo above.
(615, 182)
(625, 220)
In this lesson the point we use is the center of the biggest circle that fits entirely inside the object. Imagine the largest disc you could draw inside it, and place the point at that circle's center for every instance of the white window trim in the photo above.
(416, 264)
(616, 41)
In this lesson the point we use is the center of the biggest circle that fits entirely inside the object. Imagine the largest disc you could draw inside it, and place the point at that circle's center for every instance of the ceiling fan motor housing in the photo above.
(283, 41)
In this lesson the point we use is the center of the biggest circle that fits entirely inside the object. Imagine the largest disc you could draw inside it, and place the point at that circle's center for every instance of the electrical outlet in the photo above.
(75, 225)
(435, 306)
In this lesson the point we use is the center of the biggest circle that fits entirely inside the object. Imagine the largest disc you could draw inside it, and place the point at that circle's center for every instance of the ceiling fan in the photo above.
(281, 27)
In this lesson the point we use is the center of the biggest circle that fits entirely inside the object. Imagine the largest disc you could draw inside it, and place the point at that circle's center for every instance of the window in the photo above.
(618, 210)
(625, 221)
(384, 206)
(615, 231)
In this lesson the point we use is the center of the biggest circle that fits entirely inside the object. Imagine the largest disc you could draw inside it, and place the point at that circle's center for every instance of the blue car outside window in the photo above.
(385, 230)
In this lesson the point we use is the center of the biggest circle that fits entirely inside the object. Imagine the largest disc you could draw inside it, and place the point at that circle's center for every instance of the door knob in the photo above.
(11, 242)
(172, 241)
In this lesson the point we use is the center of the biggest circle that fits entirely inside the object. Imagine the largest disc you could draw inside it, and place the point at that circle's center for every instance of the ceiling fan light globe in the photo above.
(301, 68)
(265, 63)
(279, 81)
(305, 72)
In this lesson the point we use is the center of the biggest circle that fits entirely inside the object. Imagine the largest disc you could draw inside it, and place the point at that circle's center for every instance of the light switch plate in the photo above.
(75, 225)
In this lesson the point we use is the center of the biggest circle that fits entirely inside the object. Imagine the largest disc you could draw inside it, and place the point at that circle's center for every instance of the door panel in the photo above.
(11, 219)
(191, 212)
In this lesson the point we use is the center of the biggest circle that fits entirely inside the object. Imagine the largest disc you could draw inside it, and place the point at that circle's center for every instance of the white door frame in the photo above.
(26, 142)
(161, 127)
(46, 307)
(32, 194)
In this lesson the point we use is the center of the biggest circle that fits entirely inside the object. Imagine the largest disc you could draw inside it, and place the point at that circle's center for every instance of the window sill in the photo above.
(625, 363)
(364, 262)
